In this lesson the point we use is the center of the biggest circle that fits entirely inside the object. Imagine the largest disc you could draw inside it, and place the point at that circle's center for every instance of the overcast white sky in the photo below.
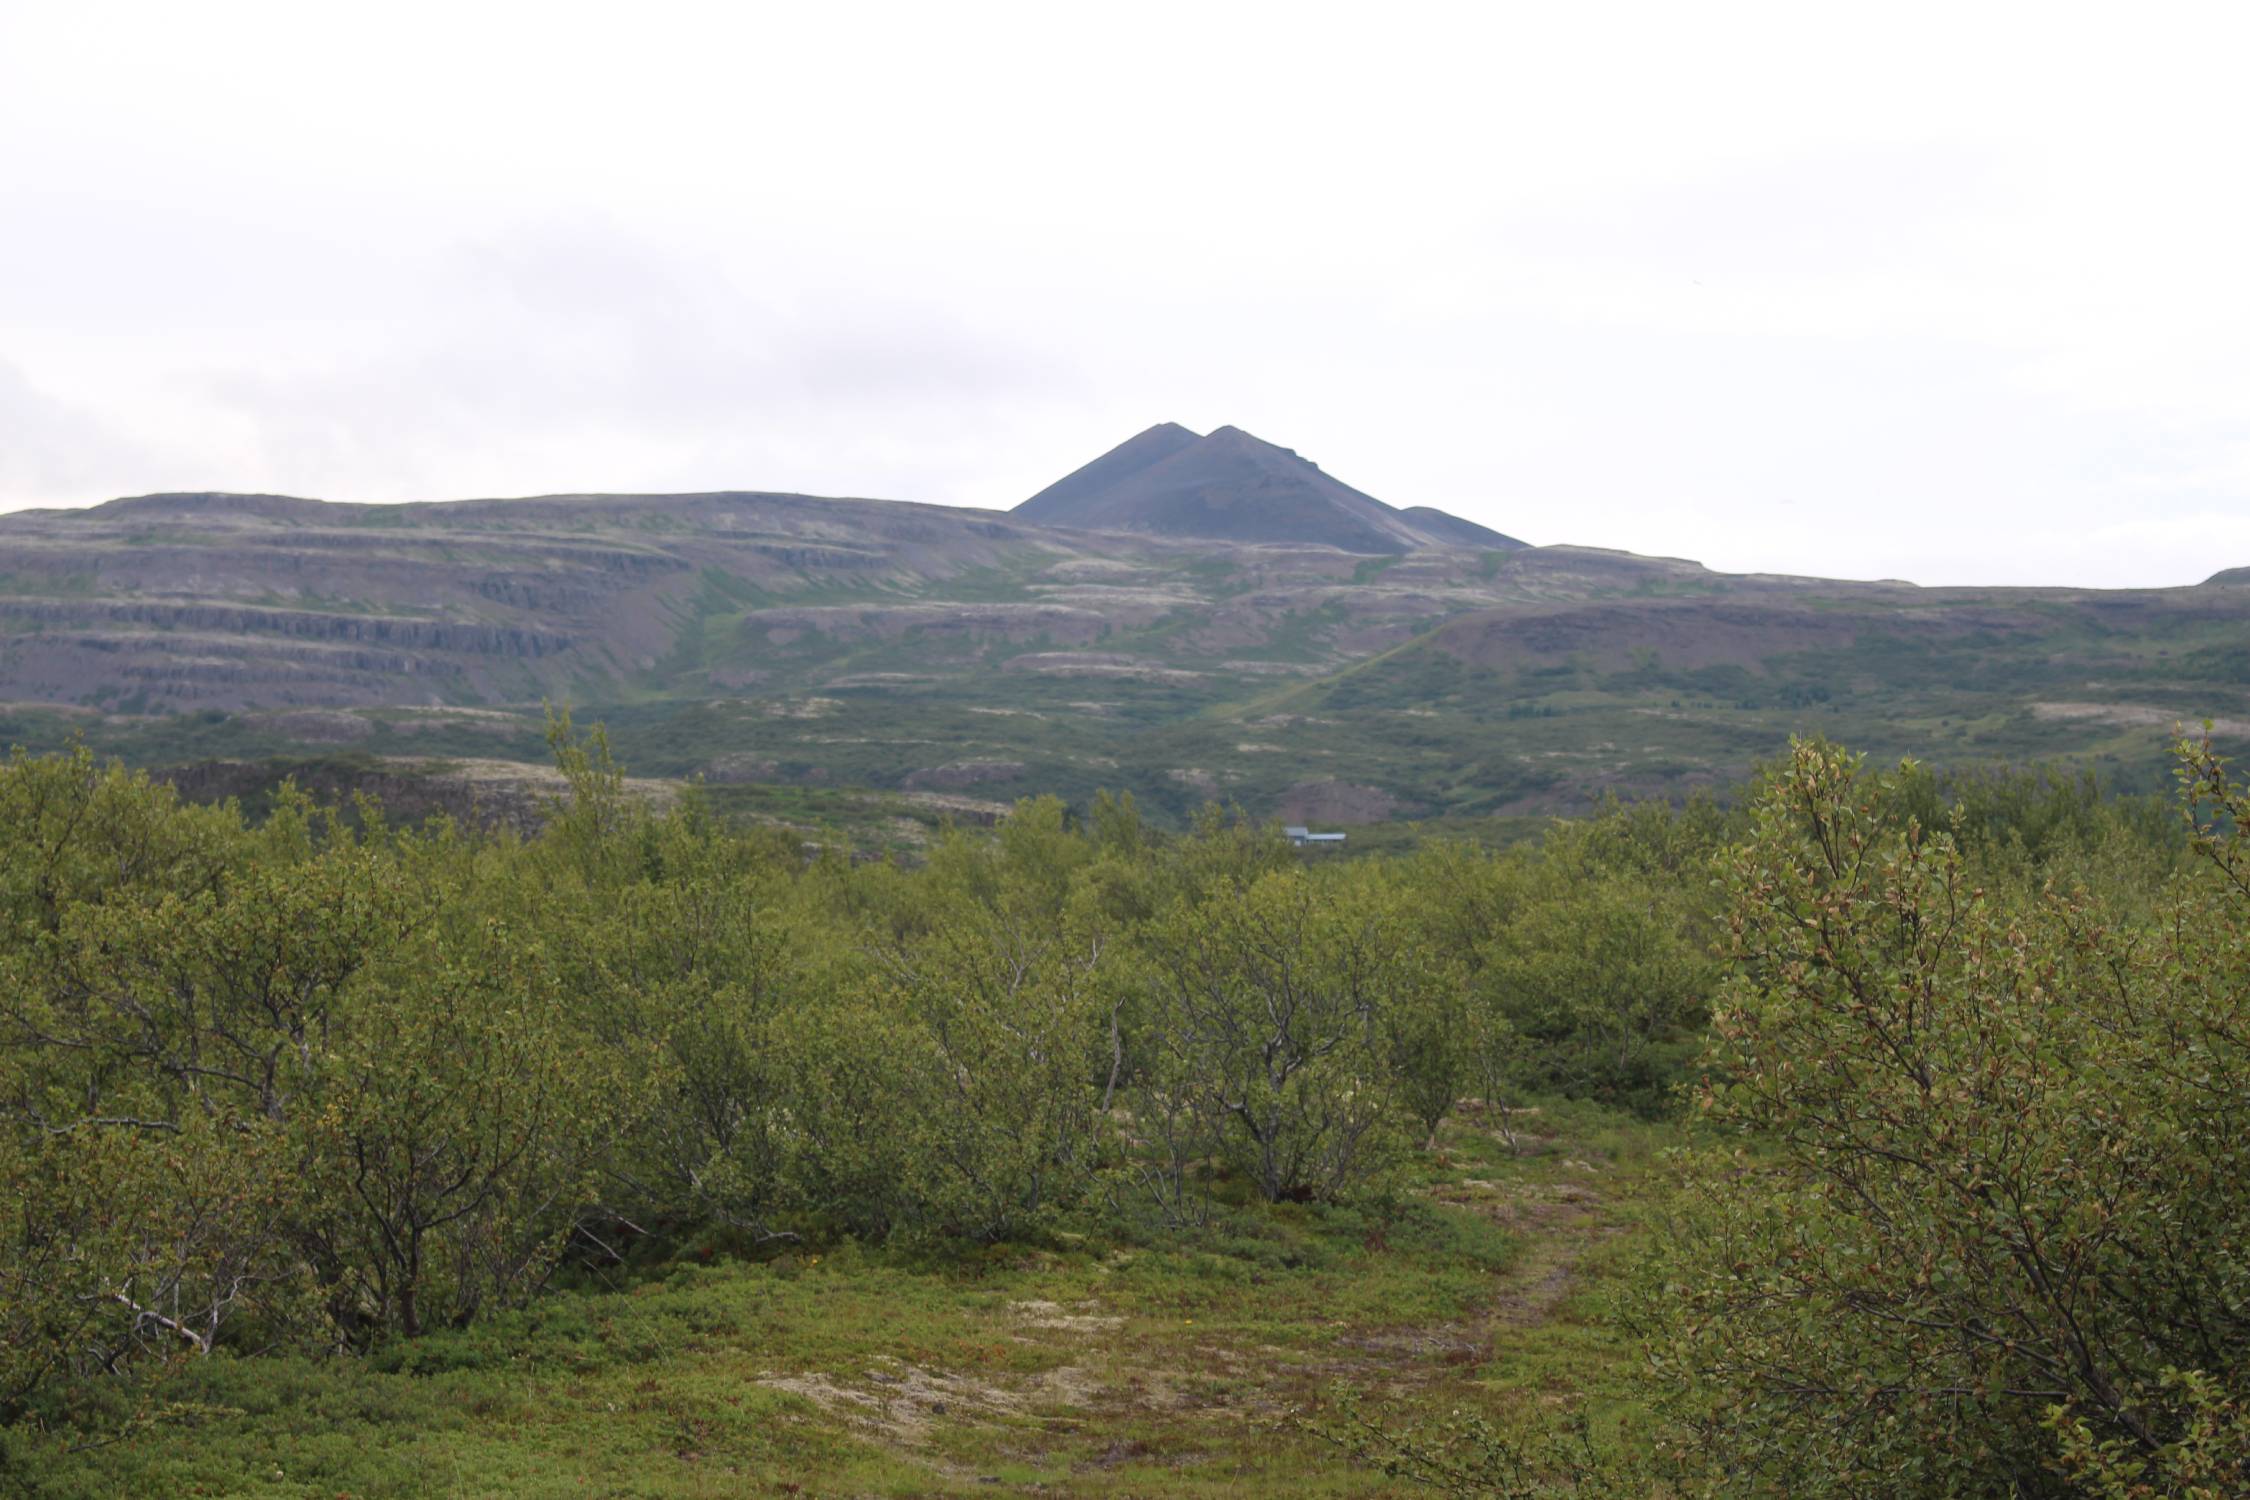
(1958, 293)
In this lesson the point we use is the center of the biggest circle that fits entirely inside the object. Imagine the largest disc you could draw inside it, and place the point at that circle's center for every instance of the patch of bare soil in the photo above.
(902, 1401)
(1084, 1317)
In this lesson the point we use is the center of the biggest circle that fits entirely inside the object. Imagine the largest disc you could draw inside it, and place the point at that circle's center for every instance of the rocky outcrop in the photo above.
(962, 773)
(385, 630)
(1060, 623)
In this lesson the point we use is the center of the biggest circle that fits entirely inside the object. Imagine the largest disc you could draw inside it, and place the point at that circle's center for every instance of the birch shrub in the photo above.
(1267, 1017)
(1988, 1230)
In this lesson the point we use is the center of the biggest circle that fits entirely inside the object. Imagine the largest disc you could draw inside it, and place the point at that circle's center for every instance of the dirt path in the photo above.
(1554, 1201)
(1549, 1271)
(1178, 1408)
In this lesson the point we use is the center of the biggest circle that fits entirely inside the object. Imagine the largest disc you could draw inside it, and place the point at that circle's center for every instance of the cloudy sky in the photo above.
(1958, 293)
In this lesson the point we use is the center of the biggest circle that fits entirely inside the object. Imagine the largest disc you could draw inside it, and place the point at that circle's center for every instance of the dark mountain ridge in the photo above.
(1231, 486)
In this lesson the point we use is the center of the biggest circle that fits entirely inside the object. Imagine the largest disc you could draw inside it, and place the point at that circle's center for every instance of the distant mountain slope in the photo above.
(1451, 531)
(272, 601)
(793, 650)
(1231, 486)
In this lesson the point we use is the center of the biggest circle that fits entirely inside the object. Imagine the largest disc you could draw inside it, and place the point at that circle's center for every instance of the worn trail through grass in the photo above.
(1191, 1413)
(1169, 1367)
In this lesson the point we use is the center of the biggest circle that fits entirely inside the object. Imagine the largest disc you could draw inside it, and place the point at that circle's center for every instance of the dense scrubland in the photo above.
(1867, 1134)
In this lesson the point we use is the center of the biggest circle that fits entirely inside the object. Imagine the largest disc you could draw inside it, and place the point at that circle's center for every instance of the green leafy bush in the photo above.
(1984, 1229)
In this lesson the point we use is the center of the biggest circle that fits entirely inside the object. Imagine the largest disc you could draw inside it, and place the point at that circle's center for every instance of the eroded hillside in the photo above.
(878, 662)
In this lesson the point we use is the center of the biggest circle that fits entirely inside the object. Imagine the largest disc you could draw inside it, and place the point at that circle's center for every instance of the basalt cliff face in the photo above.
(267, 601)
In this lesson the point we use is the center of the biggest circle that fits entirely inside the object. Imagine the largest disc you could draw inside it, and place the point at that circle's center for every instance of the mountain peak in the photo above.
(1058, 502)
(1235, 486)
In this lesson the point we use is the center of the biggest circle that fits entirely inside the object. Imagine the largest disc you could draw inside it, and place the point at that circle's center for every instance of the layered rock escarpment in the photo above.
(266, 601)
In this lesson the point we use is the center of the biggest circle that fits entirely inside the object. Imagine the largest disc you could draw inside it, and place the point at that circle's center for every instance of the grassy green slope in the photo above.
(1295, 681)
